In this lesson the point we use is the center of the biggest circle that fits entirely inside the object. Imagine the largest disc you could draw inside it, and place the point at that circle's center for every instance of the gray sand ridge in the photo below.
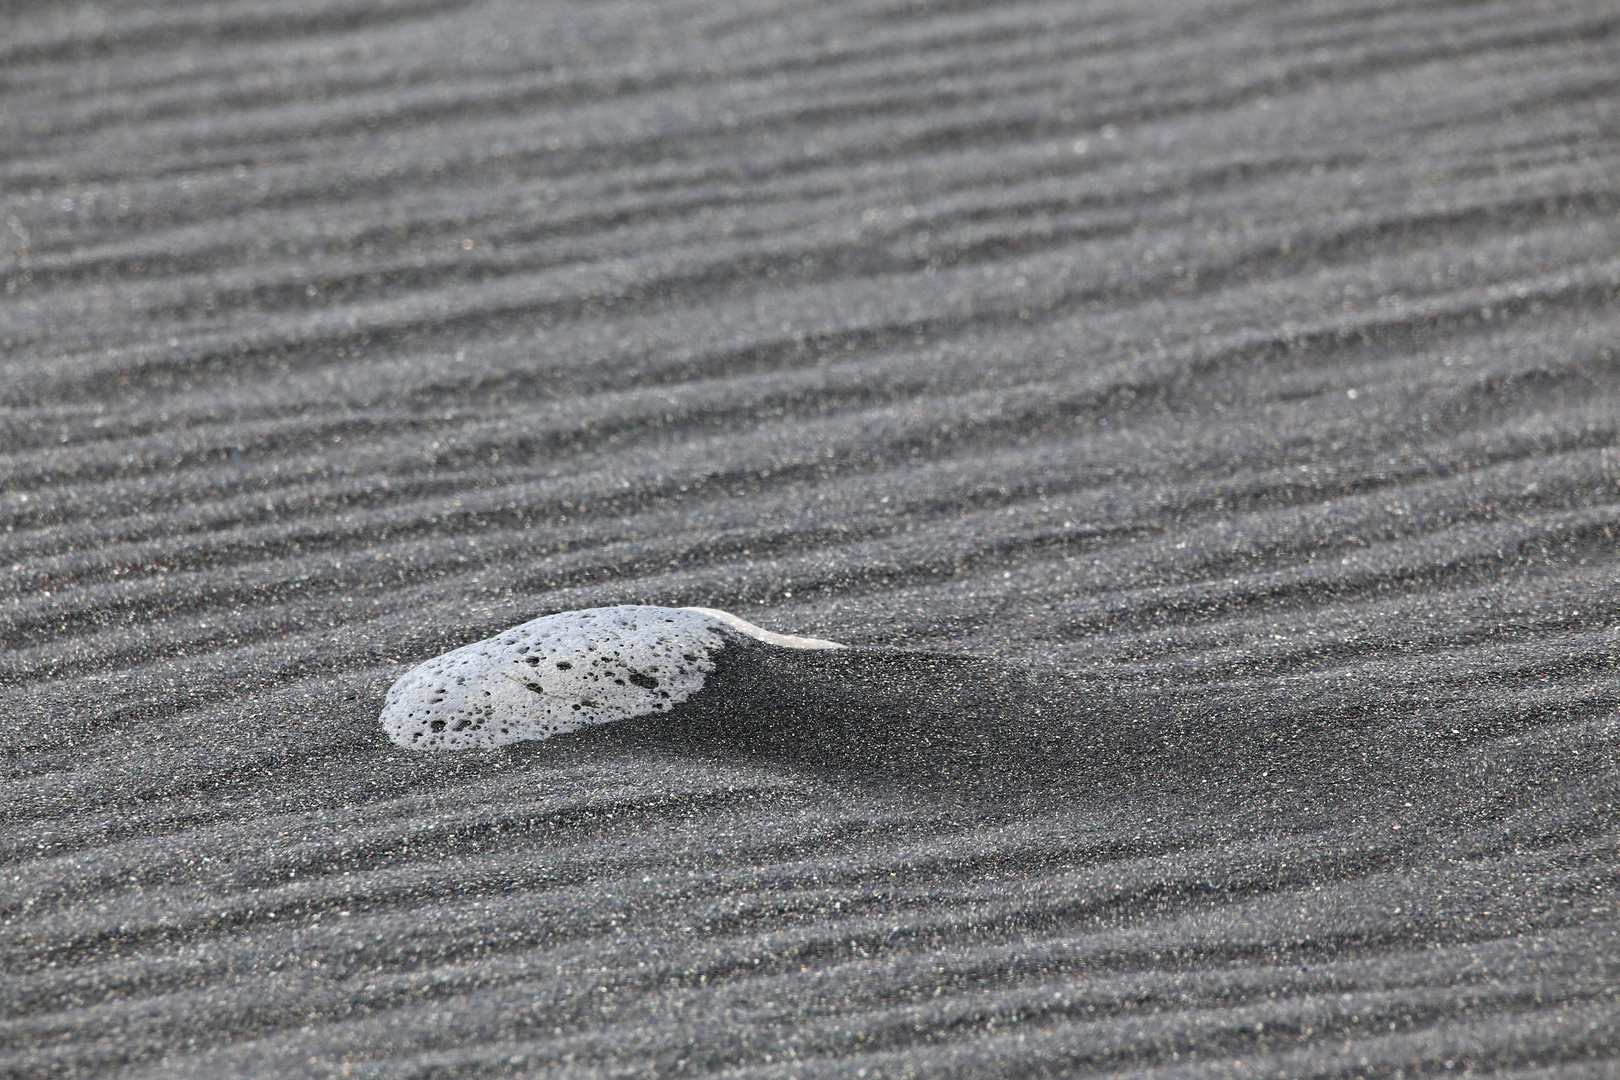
(1198, 421)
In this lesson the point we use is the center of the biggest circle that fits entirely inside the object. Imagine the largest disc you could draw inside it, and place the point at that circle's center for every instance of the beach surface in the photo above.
(1201, 419)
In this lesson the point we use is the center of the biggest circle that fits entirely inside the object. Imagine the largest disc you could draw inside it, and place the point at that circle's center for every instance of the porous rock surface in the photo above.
(562, 672)
(554, 674)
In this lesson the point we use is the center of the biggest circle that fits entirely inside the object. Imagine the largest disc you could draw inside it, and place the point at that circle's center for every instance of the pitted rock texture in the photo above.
(563, 672)
(554, 674)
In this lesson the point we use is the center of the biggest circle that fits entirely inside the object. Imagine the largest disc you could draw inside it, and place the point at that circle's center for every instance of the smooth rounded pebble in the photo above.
(563, 672)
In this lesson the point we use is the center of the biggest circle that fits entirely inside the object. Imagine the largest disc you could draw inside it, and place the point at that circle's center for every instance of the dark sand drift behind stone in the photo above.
(1199, 421)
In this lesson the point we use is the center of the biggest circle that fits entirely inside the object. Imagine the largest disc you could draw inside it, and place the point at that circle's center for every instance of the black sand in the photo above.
(1238, 381)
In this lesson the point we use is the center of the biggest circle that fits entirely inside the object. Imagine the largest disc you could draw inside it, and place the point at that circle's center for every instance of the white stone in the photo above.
(563, 672)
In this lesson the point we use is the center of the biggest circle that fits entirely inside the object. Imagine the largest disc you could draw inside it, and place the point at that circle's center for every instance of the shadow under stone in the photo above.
(918, 723)
(929, 721)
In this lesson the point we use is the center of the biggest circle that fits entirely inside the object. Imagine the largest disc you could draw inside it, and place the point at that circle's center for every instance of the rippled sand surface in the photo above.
(1236, 381)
